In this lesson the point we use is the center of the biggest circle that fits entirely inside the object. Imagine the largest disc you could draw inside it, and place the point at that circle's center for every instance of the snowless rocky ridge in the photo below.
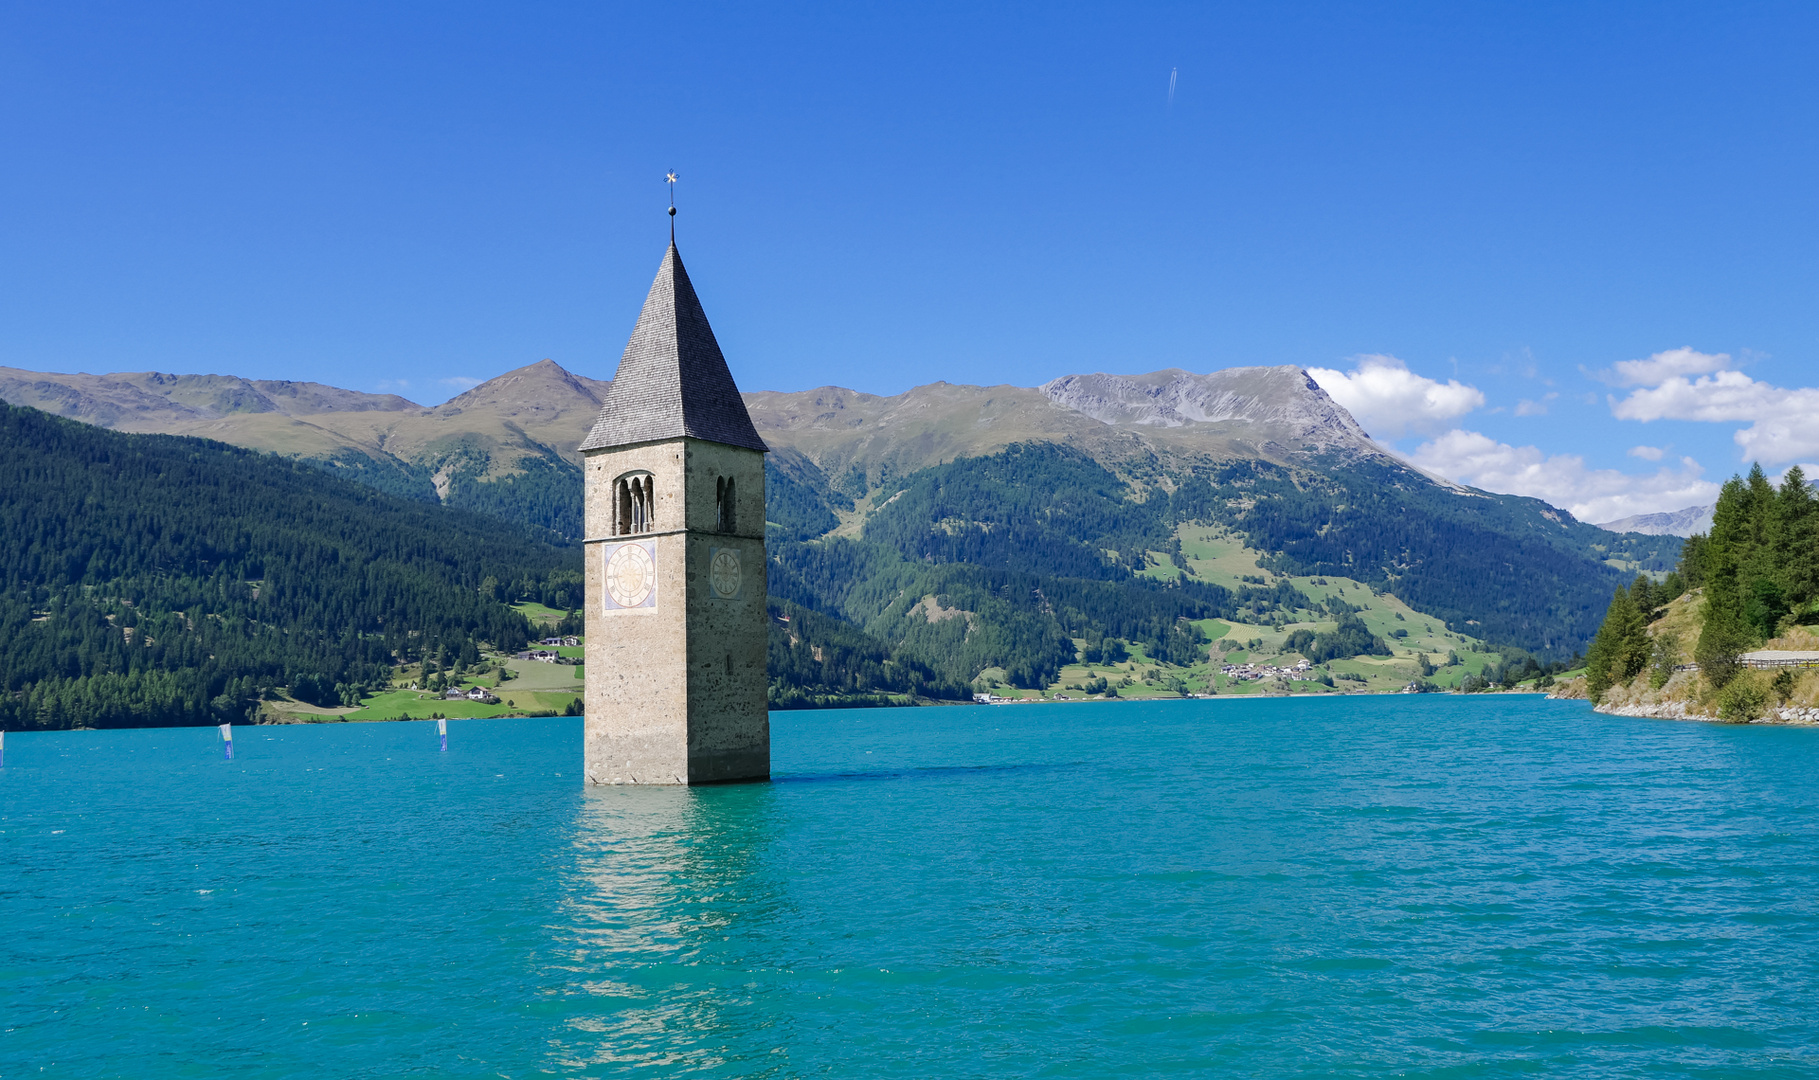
(1285, 402)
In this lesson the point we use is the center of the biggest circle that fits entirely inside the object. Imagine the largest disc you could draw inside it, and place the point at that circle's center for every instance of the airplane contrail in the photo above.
(1172, 72)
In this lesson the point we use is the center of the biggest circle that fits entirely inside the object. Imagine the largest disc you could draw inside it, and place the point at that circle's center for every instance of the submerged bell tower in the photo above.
(675, 565)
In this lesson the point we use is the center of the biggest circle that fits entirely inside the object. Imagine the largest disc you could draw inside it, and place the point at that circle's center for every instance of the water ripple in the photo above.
(1357, 888)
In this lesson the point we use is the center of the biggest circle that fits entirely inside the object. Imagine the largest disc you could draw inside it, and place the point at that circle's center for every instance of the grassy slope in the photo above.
(1218, 557)
(534, 687)
(415, 705)
(538, 612)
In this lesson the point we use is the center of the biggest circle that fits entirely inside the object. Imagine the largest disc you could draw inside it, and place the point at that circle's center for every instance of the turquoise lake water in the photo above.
(1428, 887)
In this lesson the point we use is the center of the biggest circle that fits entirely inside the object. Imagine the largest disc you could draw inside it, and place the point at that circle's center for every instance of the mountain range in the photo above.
(1687, 522)
(542, 411)
(1124, 467)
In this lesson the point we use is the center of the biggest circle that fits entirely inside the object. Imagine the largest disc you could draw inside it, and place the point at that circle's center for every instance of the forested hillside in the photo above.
(505, 447)
(958, 619)
(817, 660)
(1753, 579)
(1759, 565)
(1051, 520)
(1514, 569)
(148, 579)
(156, 579)
(1091, 477)
(544, 492)
(153, 580)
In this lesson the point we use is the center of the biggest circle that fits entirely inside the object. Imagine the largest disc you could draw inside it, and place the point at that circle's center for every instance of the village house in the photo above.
(472, 693)
(1252, 671)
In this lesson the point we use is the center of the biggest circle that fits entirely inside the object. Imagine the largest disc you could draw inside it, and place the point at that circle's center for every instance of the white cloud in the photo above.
(1782, 422)
(1390, 400)
(461, 382)
(1563, 480)
(1665, 365)
(1647, 453)
(1728, 395)
(1525, 407)
(1781, 440)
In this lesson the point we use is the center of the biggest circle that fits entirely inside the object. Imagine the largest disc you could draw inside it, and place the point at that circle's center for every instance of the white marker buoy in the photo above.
(2, 749)
(227, 742)
(442, 730)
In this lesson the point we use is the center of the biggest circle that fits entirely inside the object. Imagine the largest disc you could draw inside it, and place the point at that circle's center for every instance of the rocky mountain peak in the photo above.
(1284, 404)
(1693, 519)
(536, 393)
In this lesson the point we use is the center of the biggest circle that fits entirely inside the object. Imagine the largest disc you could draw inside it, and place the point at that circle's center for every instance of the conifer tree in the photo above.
(1642, 592)
(1662, 659)
(1723, 633)
(1693, 566)
(1799, 539)
(1722, 639)
(1632, 632)
(1606, 659)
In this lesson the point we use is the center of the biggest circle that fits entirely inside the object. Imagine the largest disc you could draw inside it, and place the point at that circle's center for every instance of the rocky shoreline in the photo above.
(1681, 710)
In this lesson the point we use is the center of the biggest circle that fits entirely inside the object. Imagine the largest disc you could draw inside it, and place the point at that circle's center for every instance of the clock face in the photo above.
(631, 576)
(723, 573)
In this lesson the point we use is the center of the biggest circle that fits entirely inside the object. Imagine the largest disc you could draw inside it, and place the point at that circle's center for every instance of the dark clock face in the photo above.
(723, 573)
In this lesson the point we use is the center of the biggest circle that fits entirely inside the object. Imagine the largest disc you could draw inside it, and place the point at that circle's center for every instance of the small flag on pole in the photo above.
(442, 730)
(227, 741)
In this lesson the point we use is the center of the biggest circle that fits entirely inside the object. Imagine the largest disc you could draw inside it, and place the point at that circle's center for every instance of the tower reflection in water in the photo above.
(669, 943)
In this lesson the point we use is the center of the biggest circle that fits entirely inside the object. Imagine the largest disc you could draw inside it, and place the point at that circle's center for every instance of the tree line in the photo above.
(1759, 569)
(160, 580)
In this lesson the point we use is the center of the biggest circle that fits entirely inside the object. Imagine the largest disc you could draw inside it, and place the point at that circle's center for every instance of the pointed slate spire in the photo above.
(672, 381)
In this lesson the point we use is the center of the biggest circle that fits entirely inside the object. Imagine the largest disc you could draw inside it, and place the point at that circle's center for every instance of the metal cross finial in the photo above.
(670, 179)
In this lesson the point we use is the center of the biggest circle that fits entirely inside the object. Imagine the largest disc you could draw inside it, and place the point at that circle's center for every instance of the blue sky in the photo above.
(1515, 198)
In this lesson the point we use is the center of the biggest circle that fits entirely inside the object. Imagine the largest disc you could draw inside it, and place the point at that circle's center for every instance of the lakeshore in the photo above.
(1682, 710)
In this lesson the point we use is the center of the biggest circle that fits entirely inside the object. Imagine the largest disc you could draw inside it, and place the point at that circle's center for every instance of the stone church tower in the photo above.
(675, 566)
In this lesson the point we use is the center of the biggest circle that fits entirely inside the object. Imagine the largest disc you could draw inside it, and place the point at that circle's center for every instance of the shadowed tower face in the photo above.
(676, 619)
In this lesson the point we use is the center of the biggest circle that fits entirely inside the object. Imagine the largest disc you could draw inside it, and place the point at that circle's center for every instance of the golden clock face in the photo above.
(723, 573)
(631, 576)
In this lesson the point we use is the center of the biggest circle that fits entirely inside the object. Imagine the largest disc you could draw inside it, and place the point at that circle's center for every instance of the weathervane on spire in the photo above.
(670, 179)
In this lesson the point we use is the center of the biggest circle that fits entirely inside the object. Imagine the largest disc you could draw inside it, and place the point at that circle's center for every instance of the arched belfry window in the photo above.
(634, 504)
(724, 504)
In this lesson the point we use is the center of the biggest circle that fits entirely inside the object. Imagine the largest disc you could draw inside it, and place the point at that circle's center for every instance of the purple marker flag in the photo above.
(442, 730)
(227, 741)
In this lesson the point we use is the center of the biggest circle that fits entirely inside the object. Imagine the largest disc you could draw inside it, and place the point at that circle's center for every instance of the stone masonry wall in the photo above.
(636, 688)
(729, 715)
(677, 695)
